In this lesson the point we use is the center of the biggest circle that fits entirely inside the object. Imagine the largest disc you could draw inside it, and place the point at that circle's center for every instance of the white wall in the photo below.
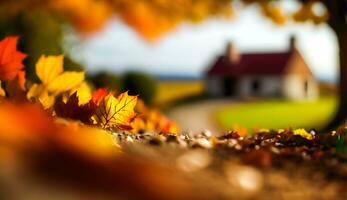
(269, 86)
(294, 87)
(214, 86)
(289, 86)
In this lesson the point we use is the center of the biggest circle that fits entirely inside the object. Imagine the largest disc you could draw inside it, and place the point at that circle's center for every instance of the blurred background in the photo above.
(165, 51)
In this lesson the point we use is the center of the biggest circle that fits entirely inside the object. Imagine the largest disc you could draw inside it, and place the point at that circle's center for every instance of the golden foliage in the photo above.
(306, 13)
(150, 19)
(153, 18)
(115, 112)
(85, 15)
(54, 81)
(273, 12)
(152, 120)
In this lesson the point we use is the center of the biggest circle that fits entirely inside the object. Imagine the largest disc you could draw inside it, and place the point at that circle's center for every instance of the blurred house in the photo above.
(273, 74)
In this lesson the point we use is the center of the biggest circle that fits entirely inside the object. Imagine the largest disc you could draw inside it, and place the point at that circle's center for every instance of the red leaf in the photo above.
(72, 110)
(10, 59)
(99, 95)
(15, 88)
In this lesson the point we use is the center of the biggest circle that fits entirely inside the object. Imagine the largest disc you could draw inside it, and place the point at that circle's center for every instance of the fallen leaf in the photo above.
(84, 93)
(73, 110)
(150, 119)
(54, 81)
(115, 112)
(15, 88)
(49, 67)
(38, 93)
(2, 92)
(65, 82)
(10, 59)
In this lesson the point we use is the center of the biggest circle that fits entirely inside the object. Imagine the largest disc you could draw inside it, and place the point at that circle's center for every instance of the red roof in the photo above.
(253, 63)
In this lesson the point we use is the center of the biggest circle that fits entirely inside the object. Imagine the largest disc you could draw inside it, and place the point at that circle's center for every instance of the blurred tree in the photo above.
(106, 80)
(141, 84)
(152, 18)
(40, 32)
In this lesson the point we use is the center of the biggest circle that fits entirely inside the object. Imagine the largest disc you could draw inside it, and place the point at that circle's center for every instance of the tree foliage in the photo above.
(152, 18)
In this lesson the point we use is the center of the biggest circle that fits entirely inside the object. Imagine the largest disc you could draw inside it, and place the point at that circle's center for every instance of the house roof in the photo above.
(254, 64)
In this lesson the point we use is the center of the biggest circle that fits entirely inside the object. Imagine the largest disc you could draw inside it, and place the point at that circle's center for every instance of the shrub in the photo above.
(106, 80)
(141, 84)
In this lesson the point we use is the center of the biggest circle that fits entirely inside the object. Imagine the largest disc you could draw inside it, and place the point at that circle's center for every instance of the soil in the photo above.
(285, 164)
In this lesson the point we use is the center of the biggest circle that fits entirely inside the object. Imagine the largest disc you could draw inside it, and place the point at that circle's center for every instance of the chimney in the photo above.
(232, 53)
(292, 42)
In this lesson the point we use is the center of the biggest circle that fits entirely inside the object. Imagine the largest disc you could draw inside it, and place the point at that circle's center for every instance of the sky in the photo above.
(190, 49)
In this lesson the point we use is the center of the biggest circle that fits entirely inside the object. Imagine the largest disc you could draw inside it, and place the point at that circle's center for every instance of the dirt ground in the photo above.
(198, 116)
(152, 166)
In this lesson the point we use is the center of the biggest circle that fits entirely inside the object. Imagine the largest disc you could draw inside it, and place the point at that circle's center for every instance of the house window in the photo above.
(255, 86)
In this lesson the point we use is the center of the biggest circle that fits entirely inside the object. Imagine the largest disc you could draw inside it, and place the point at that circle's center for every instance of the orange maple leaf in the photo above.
(10, 59)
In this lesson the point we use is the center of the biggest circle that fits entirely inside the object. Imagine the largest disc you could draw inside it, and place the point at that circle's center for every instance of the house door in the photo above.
(229, 86)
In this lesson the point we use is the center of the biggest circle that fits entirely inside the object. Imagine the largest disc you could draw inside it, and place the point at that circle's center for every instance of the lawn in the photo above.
(276, 114)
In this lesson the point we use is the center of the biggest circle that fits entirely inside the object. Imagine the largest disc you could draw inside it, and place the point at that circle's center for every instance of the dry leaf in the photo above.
(73, 110)
(10, 59)
(115, 112)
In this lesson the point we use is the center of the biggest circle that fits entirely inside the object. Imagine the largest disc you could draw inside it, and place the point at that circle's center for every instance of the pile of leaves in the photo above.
(66, 94)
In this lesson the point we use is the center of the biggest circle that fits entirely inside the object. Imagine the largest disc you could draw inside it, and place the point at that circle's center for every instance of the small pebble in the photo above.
(248, 180)
(129, 139)
(207, 133)
(204, 143)
(194, 160)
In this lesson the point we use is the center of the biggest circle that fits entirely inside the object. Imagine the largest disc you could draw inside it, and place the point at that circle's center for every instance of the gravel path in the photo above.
(199, 116)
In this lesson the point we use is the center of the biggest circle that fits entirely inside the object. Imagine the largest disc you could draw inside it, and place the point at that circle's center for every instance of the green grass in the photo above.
(274, 114)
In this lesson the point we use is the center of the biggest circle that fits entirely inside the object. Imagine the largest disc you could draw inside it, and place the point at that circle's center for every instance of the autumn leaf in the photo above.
(51, 73)
(10, 59)
(37, 92)
(84, 93)
(47, 68)
(15, 88)
(65, 82)
(2, 92)
(150, 119)
(55, 81)
(73, 110)
(99, 95)
(115, 112)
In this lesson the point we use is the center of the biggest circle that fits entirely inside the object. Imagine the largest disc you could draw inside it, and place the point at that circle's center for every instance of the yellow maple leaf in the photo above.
(54, 80)
(47, 68)
(51, 73)
(84, 93)
(115, 112)
(37, 91)
(65, 82)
